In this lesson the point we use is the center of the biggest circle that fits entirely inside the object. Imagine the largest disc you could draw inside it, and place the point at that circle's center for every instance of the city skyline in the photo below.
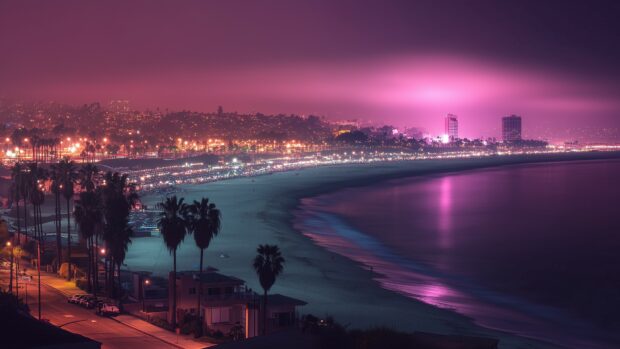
(403, 64)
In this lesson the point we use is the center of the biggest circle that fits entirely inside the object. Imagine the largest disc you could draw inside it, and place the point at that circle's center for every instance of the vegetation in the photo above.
(101, 212)
(268, 265)
(67, 178)
(204, 221)
(119, 196)
(173, 226)
(89, 218)
(56, 186)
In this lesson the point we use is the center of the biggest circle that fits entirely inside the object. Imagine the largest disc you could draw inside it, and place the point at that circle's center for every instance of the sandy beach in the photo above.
(259, 210)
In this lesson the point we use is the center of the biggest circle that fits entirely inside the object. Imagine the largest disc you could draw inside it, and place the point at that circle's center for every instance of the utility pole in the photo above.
(39, 273)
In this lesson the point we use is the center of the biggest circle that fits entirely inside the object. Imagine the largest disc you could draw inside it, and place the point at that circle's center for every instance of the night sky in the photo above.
(556, 63)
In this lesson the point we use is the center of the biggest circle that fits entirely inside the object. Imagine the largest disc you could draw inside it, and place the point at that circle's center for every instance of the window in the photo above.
(284, 319)
(219, 315)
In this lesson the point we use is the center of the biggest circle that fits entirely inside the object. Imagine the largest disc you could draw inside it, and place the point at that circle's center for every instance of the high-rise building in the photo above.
(452, 126)
(511, 128)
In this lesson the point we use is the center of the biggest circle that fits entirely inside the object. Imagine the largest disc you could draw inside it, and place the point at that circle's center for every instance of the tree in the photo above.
(119, 196)
(36, 176)
(204, 222)
(173, 226)
(56, 186)
(68, 177)
(89, 218)
(268, 265)
(87, 175)
(16, 180)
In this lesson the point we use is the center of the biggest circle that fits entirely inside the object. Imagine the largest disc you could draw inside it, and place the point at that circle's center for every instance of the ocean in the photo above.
(527, 249)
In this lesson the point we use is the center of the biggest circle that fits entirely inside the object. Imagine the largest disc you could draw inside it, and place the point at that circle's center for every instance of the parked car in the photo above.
(107, 309)
(90, 302)
(75, 299)
(86, 300)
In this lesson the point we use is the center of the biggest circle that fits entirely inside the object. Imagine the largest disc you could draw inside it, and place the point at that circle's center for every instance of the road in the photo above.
(76, 319)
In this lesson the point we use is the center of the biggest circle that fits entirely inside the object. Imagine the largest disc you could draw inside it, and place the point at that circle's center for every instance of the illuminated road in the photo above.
(74, 318)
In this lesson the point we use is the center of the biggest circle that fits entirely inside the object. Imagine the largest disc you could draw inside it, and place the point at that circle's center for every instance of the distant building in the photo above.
(452, 126)
(511, 128)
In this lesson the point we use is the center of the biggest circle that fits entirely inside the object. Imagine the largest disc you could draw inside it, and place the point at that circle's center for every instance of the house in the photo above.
(226, 302)
(148, 292)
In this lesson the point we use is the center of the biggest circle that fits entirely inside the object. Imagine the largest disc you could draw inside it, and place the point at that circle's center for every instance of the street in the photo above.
(73, 318)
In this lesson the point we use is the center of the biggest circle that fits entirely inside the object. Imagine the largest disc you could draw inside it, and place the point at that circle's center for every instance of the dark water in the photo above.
(530, 249)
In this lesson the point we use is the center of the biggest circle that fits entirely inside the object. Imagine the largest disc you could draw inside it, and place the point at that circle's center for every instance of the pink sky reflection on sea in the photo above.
(422, 282)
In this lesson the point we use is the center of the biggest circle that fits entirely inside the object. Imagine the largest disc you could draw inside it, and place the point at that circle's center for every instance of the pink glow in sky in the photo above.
(407, 63)
(404, 91)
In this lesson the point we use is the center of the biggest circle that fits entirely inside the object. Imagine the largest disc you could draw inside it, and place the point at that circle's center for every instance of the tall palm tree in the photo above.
(16, 180)
(204, 222)
(26, 187)
(68, 177)
(56, 178)
(89, 218)
(35, 177)
(268, 265)
(119, 196)
(173, 226)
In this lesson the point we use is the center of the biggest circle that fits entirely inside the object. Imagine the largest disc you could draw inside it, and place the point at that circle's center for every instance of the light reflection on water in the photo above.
(435, 280)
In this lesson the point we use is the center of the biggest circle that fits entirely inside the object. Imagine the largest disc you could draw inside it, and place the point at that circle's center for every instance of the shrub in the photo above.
(159, 322)
(218, 334)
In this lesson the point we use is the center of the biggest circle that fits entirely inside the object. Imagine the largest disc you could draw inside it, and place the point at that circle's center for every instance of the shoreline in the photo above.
(260, 210)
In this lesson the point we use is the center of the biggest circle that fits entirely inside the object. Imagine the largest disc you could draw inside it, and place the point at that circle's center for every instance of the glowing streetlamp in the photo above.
(9, 245)
(147, 282)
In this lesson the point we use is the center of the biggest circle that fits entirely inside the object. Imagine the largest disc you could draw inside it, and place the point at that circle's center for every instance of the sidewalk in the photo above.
(182, 341)
(68, 289)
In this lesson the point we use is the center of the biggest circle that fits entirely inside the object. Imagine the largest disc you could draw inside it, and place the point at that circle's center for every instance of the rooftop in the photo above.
(278, 299)
(212, 277)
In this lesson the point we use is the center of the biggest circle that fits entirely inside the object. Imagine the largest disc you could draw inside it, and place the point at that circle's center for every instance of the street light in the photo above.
(146, 283)
(9, 245)
(103, 251)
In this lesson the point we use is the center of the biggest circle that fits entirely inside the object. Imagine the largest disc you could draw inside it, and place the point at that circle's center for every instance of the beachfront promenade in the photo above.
(123, 331)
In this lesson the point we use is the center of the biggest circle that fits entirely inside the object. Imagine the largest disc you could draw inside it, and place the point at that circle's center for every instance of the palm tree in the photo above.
(26, 188)
(89, 218)
(68, 177)
(56, 186)
(87, 176)
(268, 264)
(35, 176)
(16, 180)
(119, 197)
(204, 222)
(173, 228)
